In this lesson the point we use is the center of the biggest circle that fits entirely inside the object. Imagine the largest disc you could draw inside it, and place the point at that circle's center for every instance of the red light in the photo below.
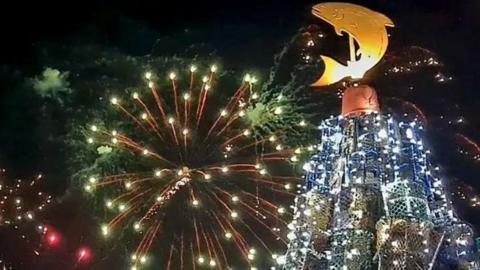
(52, 238)
(84, 254)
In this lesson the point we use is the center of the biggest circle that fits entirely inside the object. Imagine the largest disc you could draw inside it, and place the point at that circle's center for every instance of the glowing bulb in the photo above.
(212, 263)
(109, 204)
(143, 259)
(235, 199)
(114, 132)
(278, 110)
(252, 251)
(228, 235)
(207, 87)
(88, 188)
(288, 186)
(207, 176)
(213, 68)
(241, 113)
(247, 77)
(121, 207)
(303, 123)
(105, 230)
(281, 260)
(409, 133)
(272, 138)
(94, 128)
(251, 256)
(151, 84)
(263, 171)
(281, 210)
(148, 75)
(114, 100)
(254, 96)
(144, 116)
(136, 226)
(90, 140)
(171, 120)
(253, 80)
(294, 158)
(185, 132)
(128, 185)
(172, 75)
(223, 113)
(92, 180)
(234, 214)
(224, 169)
(158, 173)
(186, 96)
(135, 95)
(195, 202)
(193, 68)
(246, 132)
(145, 152)
(279, 147)
(382, 134)
(204, 79)
(201, 260)
(114, 140)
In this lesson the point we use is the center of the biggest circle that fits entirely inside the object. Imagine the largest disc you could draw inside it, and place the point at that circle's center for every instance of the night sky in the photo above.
(244, 34)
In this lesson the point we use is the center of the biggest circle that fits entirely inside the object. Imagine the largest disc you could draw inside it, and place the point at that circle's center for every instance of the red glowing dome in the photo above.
(359, 99)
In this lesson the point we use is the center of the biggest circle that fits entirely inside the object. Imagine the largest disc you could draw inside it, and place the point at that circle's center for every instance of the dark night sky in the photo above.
(447, 27)
(450, 28)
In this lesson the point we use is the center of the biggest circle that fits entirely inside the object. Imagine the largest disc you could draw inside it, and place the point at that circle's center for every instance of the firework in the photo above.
(468, 147)
(21, 202)
(208, 182)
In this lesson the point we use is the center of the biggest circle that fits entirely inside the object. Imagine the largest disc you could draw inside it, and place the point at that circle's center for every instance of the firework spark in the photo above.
(21, 202)
(468, 147)
(205, 183)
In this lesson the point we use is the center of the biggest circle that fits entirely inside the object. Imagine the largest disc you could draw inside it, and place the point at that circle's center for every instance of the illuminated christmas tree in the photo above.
(371, 198)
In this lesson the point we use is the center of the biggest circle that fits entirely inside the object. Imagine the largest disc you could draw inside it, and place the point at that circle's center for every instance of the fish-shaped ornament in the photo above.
(365, 27)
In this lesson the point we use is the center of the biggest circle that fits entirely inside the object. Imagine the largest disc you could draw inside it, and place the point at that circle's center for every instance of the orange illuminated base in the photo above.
(359, 99)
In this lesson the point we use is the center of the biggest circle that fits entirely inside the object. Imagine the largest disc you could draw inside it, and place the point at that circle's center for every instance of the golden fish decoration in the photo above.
(364, 26)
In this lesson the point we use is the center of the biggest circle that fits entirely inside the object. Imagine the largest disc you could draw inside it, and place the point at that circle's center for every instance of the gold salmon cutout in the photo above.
(366, 27)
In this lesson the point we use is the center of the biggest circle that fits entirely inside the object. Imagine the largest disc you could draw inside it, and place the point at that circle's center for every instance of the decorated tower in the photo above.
(371, 198)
